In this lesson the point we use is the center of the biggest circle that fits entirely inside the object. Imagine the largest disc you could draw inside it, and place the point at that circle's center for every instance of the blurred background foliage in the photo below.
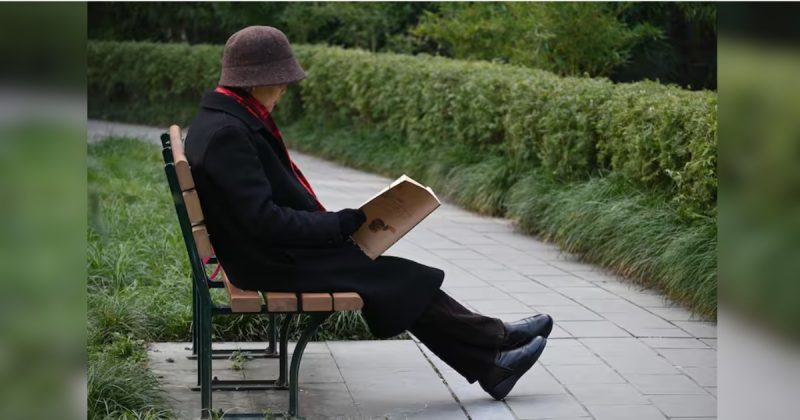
(42, 156)
(669, 42)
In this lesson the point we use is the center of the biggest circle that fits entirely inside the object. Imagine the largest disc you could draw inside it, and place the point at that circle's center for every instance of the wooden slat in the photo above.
(202, 241)
(175, 138)
(241, 300)
(192, 202)
(182, 168)
(347, 301)
(184, 173)
(281, 302)
(317, 302)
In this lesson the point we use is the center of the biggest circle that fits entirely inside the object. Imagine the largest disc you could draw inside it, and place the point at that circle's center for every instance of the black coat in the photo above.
(269, 234)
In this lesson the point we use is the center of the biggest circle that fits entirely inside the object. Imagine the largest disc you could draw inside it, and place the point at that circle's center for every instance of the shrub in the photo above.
(155, 83)
(659, 137)
(553, 121)
(663, 137)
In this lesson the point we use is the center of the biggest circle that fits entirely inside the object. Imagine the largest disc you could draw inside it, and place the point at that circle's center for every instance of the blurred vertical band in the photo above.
(42, 210)
(759, 211)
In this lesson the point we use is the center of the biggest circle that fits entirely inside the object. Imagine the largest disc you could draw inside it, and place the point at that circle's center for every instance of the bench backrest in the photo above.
(187, 206)
(198, 246)
(190, 216)
(189, 195)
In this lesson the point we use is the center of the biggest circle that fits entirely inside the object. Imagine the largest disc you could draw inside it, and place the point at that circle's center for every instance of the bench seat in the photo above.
(244, 301)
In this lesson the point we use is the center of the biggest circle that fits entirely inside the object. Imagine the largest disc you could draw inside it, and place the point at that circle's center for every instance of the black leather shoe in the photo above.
(509, 366)
(520, 332)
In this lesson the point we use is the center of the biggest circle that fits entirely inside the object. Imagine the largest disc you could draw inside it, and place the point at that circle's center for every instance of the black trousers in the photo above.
(466, 341)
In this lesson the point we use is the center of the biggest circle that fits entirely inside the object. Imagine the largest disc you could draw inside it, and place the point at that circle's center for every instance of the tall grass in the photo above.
(120, 386)
(637, 234)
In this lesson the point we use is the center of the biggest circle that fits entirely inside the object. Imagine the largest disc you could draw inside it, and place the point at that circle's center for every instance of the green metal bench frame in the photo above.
(204, 309)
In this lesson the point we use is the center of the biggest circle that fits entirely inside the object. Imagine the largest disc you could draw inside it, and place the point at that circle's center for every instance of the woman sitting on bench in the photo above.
(270, 231)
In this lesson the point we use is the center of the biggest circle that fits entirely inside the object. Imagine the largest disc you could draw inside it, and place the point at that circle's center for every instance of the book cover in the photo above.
(393, 212)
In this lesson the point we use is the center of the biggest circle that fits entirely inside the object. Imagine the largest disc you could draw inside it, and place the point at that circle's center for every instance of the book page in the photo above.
(392, 213)
(402, 178)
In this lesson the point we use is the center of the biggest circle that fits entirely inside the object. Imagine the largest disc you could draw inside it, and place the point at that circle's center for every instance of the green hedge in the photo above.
(658, 137)
(151, 83)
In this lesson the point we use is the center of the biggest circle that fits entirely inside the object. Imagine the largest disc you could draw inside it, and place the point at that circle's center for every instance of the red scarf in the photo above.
(252, 105)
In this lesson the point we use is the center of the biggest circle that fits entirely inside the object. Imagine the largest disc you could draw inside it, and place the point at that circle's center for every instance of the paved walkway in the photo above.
(617, 351)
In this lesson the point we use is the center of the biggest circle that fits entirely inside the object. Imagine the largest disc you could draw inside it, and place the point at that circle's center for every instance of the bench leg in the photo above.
(294, 386)
(248, 384)
(255, 384)
(194, 319)
(283, 354)
(204, 360)
(195, 322)
(225, 353)
(271, 335)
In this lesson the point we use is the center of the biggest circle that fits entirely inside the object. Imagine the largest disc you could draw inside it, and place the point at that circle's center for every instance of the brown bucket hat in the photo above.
(259, 56)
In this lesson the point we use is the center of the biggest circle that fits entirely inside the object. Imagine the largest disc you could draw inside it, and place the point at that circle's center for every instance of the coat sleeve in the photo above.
(232, 164)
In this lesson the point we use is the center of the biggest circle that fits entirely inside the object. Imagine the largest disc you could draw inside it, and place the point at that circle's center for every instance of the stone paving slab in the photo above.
(354, 379)
(659, 357)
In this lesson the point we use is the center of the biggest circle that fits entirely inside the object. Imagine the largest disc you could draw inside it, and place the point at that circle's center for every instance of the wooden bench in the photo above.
(319, 306)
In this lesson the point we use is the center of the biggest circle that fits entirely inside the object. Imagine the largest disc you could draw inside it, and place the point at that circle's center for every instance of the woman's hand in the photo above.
(350, 220)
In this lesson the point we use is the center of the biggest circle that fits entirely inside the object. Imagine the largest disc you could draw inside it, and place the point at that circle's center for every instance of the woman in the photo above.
(270, 231)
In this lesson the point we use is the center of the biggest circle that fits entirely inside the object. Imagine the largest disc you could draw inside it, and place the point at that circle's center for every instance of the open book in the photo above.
(392, 213)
